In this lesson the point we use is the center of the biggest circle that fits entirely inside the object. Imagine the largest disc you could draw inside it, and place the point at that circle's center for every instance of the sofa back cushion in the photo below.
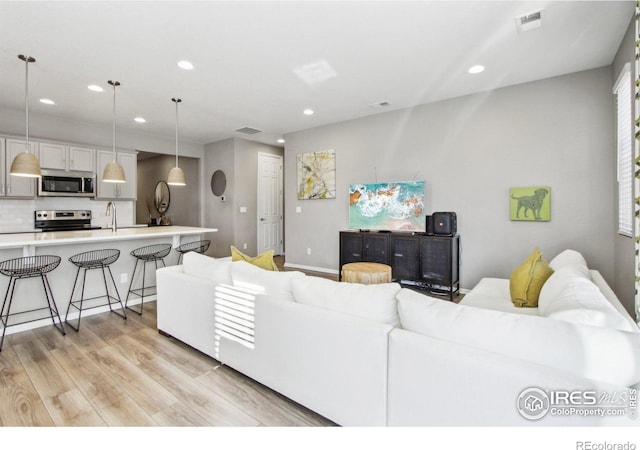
(215, 270)
(598, 353)
(245, 275)
(570, 295)
(375, 302)
(570, 258)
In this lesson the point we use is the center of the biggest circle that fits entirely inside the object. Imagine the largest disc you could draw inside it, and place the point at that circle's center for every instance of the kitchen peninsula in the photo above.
(68, 243)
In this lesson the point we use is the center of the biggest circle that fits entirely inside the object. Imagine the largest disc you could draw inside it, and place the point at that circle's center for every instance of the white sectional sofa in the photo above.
(382, 355)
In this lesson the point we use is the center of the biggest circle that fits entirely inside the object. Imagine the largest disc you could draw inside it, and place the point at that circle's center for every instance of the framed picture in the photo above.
(316, 175)
(530, 203)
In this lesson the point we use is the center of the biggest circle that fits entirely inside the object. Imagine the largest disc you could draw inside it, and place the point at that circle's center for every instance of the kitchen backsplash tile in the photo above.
(18, 214)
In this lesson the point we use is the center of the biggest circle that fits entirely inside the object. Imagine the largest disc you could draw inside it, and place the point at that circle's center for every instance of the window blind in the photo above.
(622, 92)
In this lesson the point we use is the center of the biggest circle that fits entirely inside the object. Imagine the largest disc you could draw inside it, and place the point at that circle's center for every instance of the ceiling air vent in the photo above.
(380, 104)
(529, 21)
(248, 130)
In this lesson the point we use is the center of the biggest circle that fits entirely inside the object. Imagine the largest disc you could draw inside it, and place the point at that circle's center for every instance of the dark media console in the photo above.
(430, 262)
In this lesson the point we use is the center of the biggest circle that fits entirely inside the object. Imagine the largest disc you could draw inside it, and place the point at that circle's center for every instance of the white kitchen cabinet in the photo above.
(53, 156)
(65, 157)
(81, 158)
(17, 186)
(121, 191)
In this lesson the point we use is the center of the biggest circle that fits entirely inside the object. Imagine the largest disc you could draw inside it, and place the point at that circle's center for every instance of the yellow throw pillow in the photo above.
(263, 260)
(526, 280)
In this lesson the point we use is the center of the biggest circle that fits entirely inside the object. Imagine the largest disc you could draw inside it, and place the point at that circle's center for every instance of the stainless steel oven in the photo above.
(60, 183)
(63, 220)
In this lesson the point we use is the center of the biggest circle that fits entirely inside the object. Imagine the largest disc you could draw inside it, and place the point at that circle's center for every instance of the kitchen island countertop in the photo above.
(35, 239)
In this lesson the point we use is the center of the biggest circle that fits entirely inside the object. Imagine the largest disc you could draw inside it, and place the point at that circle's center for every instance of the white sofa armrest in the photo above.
(185, 308)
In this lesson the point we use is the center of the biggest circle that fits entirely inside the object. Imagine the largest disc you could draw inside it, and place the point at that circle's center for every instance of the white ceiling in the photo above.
(246, 54)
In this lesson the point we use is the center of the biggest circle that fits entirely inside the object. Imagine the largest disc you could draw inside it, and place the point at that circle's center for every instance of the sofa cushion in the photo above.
(569, 258)
(375, 302)
(198, 265)
(599, 353)
(493, 293)
(527, 280)
(245, 275)
(557, 282)
(263, 260)
(570, 296)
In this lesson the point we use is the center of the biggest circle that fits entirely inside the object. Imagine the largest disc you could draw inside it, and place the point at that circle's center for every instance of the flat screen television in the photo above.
(396, 206)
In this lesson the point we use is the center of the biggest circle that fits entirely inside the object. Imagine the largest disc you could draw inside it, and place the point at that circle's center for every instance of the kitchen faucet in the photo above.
(114, 221)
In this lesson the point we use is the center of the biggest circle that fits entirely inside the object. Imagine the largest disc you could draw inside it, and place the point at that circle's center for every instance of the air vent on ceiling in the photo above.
(380, 104)
(529, 21)
(248, 130)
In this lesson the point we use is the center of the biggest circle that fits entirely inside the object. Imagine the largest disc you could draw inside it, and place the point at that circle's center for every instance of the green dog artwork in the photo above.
(530, 203)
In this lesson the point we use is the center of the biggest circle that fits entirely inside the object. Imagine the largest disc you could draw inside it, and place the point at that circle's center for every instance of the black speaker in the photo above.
(445, 223)
(429, 225)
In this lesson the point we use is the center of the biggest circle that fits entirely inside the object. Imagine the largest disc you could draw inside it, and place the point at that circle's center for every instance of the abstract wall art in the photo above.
(316, 175)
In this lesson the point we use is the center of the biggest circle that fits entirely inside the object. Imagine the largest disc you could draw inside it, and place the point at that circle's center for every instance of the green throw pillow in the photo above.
(526, 280)
(263, 260)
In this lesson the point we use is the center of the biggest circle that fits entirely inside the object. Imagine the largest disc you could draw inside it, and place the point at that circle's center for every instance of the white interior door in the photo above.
(270, 198)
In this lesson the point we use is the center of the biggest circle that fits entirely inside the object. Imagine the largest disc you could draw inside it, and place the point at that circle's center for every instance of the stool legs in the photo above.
(112, 300)
(5, 316)
(8, 300)
(142, 289)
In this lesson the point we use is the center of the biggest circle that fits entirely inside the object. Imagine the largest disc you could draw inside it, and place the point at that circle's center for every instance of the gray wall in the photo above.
(219, 214)
(238, 158)
(184, 205)
(624, 261)
(470, 150)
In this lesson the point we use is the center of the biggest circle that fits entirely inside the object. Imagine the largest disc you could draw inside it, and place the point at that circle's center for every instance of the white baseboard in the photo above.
(311, 268)
(11, 329)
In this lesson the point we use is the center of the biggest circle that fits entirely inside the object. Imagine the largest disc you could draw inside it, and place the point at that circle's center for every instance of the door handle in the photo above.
(262, 219)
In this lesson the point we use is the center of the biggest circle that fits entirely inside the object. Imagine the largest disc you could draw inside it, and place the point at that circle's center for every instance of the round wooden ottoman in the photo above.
(366, 273)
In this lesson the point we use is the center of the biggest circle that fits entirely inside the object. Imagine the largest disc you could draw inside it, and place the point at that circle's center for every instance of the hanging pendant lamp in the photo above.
(25, 164)
(113, 172)
(176, 175)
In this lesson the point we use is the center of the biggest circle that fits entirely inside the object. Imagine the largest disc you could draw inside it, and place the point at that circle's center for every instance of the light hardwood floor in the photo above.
(124, 373)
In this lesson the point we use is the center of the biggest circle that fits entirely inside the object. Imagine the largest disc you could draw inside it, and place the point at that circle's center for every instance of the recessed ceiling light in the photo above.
(95, 88)
(476, 69)
(186, 65)
(280, 141)
(140, 120)
(308, 111)
(47, 101)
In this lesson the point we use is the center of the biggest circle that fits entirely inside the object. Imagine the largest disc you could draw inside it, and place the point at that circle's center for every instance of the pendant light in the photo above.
(25, 164)
(113, 172)
(176, 175)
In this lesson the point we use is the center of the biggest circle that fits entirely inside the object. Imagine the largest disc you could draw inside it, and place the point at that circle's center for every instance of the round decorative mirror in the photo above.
(218, 183)
(162, 197)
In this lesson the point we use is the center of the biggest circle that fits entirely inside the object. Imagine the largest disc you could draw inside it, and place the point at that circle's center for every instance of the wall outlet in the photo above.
(123, 278)
(244, 246)
(308, 251)
(243, 209)
(298, 209)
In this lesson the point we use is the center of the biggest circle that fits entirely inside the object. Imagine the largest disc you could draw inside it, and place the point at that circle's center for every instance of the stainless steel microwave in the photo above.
(60, 183)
